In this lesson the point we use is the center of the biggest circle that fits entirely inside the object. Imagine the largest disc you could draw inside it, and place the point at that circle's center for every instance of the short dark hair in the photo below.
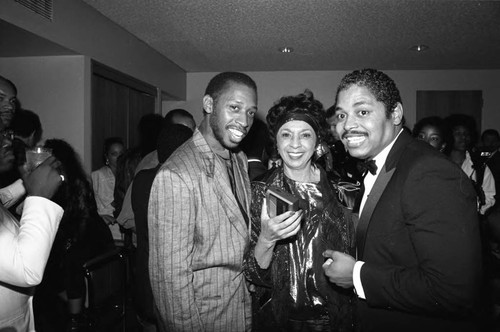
(219, 82)
(25, 122)
(436, 122)
(149, 128)
(9, 82)
(169, 117)
(330, 111)
(380, 85)
(490, 132)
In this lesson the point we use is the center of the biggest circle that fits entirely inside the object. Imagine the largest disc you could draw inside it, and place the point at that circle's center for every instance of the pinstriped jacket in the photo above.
(197, 239)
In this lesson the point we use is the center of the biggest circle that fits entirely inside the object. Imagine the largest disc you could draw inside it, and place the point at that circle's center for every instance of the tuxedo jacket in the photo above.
(197, 239)
(418, 235)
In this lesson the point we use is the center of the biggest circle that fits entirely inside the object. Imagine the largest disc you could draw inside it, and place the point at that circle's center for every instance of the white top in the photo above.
(103, 183)
(488, 182)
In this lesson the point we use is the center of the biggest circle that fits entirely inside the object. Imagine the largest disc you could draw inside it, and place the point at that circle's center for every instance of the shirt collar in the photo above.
(382, 156)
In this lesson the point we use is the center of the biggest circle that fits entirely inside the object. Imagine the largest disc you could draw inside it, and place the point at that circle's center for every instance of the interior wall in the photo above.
(273, 85)
(80, 28)
(57, 89)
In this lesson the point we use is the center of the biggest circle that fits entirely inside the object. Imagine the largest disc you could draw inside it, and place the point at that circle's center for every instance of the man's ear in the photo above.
(208, 104)
(397, 115)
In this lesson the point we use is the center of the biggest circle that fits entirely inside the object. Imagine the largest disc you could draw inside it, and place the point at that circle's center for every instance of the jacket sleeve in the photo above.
(171, 220)
(439, 217)
(25, 251)
(12, 193)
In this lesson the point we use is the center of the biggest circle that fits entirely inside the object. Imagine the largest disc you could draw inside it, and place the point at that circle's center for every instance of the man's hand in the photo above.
(338, 268)
(44, 180)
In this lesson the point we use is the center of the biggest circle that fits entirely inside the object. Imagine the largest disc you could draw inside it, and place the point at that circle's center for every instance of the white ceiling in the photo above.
(244, 35)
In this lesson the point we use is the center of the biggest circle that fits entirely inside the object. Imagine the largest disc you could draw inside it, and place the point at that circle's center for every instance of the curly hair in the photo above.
(75, 195)
(380, 85)
(436, 122)
(303, 104)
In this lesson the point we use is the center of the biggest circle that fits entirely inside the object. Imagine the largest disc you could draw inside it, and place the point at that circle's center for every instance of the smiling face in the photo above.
(231, 115)
(363, 125)
(433, 136)
(296, 141)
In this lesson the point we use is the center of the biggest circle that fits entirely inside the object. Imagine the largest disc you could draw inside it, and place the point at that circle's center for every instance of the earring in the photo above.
(107, 162)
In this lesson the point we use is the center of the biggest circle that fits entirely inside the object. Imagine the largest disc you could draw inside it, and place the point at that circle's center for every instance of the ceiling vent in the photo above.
(41, 7)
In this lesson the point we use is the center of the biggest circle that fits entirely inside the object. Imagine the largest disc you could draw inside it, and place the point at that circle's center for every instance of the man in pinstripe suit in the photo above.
(198, 216)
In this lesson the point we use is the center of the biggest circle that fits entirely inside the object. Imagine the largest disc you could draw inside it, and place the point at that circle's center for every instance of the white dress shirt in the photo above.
(368, 182)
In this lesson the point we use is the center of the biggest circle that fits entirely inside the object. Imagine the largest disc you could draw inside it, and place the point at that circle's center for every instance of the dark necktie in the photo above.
(230, 173)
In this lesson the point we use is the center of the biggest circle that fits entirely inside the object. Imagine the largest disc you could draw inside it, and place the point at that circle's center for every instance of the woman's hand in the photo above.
(273, 229)
(280, 227)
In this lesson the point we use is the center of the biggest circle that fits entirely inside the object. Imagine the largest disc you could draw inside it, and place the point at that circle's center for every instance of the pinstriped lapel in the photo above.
(222, 188)
(379, 186)
(215, 170)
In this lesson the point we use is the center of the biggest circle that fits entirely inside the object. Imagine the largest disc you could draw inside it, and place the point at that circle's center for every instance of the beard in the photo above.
(219, 132)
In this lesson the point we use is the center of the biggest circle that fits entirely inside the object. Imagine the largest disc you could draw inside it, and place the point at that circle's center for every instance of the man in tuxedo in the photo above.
(198, 216)
(418, 265)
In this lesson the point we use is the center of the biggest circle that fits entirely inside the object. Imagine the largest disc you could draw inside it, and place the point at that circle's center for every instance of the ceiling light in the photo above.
(419, 48)
(285, 49)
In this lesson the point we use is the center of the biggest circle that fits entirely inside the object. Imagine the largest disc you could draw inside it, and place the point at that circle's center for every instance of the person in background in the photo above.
(490, 143)
(103, 183)
(179, 116)
(198, 216)
(344, 167)
(171, 137)
(25, 244)
(82, 235)
(254, 145)
(125, 171)
(434, 131)
(27, 132)
(462, 152)
(8, 102)
(418, 263)
(284, 259)
(175, 116)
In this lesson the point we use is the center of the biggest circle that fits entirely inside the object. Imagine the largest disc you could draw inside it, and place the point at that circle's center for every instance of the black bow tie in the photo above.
(365, 166)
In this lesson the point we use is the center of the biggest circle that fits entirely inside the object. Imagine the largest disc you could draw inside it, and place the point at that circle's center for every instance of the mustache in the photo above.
(242, 129)
(353, 132)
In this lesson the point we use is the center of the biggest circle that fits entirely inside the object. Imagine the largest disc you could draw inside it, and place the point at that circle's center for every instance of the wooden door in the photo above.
(109, 115)
(140, 103)
(118, 103)
(444, 103)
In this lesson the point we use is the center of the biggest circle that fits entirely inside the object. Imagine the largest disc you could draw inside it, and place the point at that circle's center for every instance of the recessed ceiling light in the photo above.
(419, 48)
(285, 49)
